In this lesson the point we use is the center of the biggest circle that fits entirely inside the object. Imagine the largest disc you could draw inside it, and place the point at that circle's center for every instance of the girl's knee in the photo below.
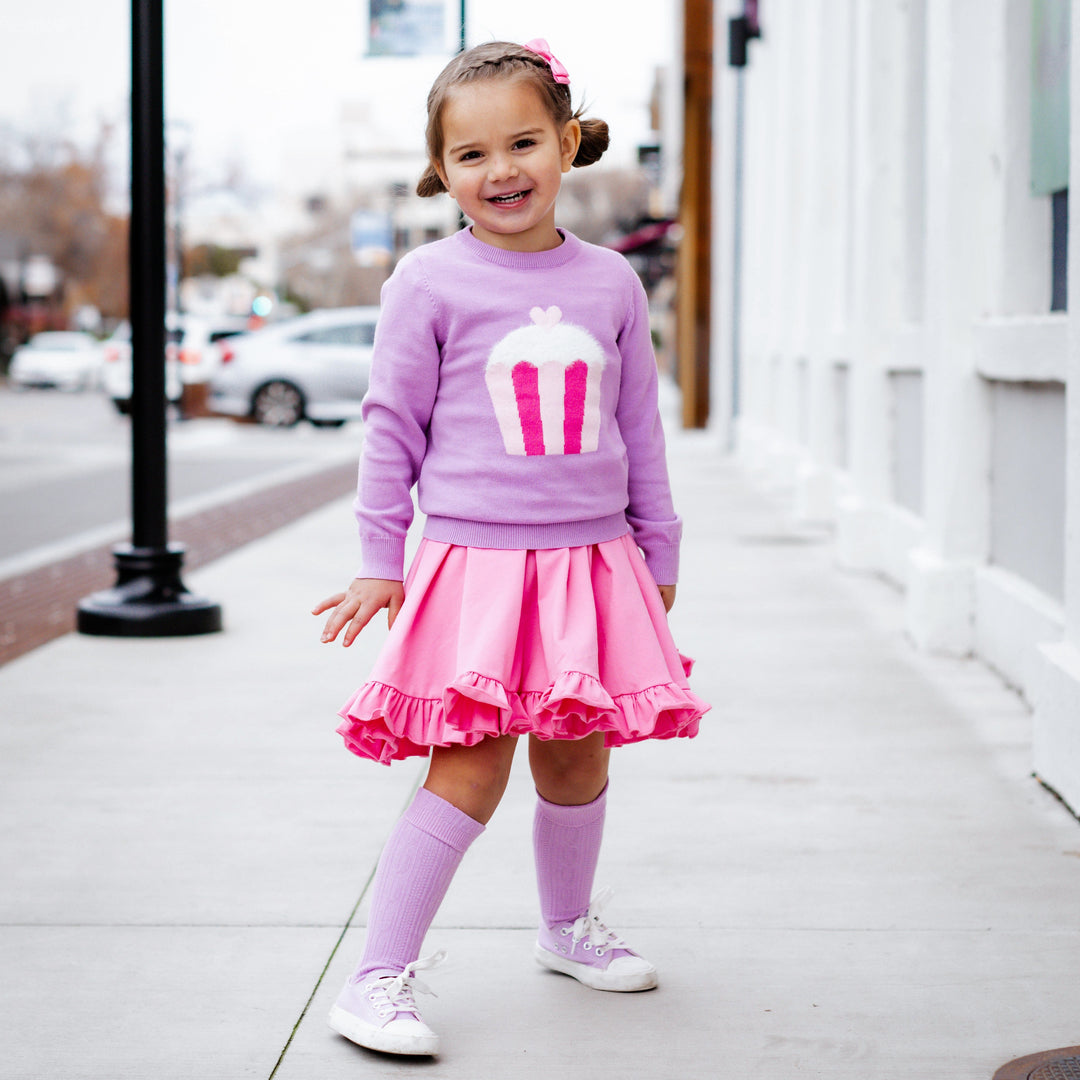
(472, 778)
(569, 772)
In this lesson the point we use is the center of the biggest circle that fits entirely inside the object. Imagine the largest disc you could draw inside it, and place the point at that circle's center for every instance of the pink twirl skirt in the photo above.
(555, 643)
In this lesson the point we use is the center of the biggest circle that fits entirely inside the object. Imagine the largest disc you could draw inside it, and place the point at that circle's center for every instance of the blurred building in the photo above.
(382, 165)
(894, 344)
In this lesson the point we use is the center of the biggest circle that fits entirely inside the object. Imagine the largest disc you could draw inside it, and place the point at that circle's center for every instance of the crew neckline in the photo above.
(522, 260)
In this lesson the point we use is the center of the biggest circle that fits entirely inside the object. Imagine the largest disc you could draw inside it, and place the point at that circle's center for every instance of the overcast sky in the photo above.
(261, 85)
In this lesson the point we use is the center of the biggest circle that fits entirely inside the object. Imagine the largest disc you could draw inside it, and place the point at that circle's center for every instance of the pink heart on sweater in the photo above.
(545, 318)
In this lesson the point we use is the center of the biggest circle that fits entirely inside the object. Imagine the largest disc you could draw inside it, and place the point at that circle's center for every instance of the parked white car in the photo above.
(191, 355)
(199, 349)
(70, 360)
(313, 367)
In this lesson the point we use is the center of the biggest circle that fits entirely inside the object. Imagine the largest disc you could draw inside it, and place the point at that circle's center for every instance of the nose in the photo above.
(501, 167)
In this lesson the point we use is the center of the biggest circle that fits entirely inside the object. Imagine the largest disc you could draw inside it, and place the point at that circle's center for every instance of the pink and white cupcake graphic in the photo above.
(544, 381)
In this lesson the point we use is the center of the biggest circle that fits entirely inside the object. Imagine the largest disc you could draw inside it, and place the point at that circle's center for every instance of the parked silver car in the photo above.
(313, 367)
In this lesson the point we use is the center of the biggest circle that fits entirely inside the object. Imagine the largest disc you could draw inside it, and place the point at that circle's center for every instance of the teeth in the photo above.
(516, 197)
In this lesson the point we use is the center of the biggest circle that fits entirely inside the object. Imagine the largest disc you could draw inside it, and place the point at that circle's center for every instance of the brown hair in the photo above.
(503, 58)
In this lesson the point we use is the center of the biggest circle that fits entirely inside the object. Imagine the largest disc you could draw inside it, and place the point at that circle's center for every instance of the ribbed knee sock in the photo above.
(414, 872)
(566, 845)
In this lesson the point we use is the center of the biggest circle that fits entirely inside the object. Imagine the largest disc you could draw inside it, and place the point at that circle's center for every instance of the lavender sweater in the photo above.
(518, 390)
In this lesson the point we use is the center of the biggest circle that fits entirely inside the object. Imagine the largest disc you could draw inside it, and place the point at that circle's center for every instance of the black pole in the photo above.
(149, 599)
(148, 275)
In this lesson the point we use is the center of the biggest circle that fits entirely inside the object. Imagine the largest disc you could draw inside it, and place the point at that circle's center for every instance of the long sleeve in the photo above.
(396, 413)
(657, 528)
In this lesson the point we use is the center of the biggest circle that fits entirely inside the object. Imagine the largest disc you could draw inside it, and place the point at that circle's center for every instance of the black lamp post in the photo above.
(149, 599)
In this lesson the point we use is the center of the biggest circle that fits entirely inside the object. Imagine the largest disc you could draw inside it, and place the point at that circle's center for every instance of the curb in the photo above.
(39, 605)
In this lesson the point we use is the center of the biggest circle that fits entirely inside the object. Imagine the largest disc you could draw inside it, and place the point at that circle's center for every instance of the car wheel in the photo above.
(328, 423)
(278, 404)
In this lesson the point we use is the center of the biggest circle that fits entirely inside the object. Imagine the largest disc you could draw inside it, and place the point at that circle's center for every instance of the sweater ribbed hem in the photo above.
(523, 260)
(509, 536)
(438, 818)
(573, 816)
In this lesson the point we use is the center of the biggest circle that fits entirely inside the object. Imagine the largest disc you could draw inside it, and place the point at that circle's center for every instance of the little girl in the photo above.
(514, 381)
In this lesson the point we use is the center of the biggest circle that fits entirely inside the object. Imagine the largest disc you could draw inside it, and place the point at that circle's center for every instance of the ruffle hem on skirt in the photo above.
(555, 643)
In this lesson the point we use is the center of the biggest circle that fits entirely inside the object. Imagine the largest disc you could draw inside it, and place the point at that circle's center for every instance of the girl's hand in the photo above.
(667, 594)
(358, 604)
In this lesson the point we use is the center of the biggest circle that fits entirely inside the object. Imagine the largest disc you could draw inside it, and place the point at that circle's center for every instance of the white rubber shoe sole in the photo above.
(625, 974)
(398, 1037)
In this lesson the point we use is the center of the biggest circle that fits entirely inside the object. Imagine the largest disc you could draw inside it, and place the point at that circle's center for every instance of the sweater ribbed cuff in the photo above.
(663, 564)
(382, 557)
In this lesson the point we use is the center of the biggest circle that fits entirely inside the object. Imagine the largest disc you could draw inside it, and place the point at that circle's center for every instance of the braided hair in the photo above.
(507, 60)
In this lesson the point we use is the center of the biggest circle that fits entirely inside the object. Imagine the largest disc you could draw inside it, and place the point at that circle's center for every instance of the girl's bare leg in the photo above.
(569, 772)
(472, 778)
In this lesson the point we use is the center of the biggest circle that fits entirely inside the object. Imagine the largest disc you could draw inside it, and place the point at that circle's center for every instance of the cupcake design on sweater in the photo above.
(544, 382)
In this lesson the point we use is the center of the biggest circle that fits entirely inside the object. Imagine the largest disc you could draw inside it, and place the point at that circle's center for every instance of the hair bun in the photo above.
(430, 183)
(594, 141)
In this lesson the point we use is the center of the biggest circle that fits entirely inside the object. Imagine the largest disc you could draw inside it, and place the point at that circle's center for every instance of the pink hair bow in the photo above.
(541, 48)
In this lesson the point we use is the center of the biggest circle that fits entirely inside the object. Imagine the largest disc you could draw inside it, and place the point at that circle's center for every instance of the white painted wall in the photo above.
(1057, 688)
(902, 376)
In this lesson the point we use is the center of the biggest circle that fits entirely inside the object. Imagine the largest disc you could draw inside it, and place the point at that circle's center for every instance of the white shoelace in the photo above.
(600, 938)
(391, 994)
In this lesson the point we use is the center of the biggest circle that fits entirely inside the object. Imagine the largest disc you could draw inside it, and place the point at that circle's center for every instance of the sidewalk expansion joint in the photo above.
(337, 945)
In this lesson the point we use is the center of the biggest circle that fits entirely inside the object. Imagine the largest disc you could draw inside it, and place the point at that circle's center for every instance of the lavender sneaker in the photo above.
(378, 1011)
(588, 951)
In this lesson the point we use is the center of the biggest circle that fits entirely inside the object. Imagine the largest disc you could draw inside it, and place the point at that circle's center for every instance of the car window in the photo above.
(351, 334)
(63, 342)
(361, 333)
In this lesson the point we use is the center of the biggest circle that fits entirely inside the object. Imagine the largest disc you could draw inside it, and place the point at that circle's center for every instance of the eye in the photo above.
(469, 155)
(524, 144)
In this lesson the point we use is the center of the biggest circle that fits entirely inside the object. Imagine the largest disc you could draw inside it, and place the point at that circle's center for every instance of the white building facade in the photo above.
(900, 369)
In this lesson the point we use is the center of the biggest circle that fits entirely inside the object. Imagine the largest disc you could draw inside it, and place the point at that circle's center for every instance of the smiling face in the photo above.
(503, 160)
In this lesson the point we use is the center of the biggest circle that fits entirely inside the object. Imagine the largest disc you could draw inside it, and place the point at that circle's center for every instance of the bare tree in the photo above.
(53, 202)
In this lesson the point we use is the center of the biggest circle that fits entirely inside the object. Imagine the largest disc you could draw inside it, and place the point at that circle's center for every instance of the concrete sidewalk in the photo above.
(849, 874)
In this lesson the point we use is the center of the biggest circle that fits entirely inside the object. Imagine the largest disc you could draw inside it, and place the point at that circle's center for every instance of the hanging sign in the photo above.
(1049, 96)
(406, 27)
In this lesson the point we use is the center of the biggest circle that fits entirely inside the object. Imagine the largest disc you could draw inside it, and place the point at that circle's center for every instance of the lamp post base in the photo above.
(148, 599)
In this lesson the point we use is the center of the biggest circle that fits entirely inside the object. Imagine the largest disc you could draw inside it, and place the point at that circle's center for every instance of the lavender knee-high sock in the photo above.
(414, 872)
(566, 845)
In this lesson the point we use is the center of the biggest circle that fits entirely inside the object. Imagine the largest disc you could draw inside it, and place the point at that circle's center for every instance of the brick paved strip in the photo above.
(39, 605)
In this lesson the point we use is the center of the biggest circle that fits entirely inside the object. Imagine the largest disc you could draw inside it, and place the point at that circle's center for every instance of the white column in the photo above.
(1057, 695)
(877, 274)
(723, 225)
(828, 43)
(965, 122)
(764, 305)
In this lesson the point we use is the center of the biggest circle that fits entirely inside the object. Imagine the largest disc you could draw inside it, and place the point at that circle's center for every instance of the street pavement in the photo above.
(65, 470)
(851, 872)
